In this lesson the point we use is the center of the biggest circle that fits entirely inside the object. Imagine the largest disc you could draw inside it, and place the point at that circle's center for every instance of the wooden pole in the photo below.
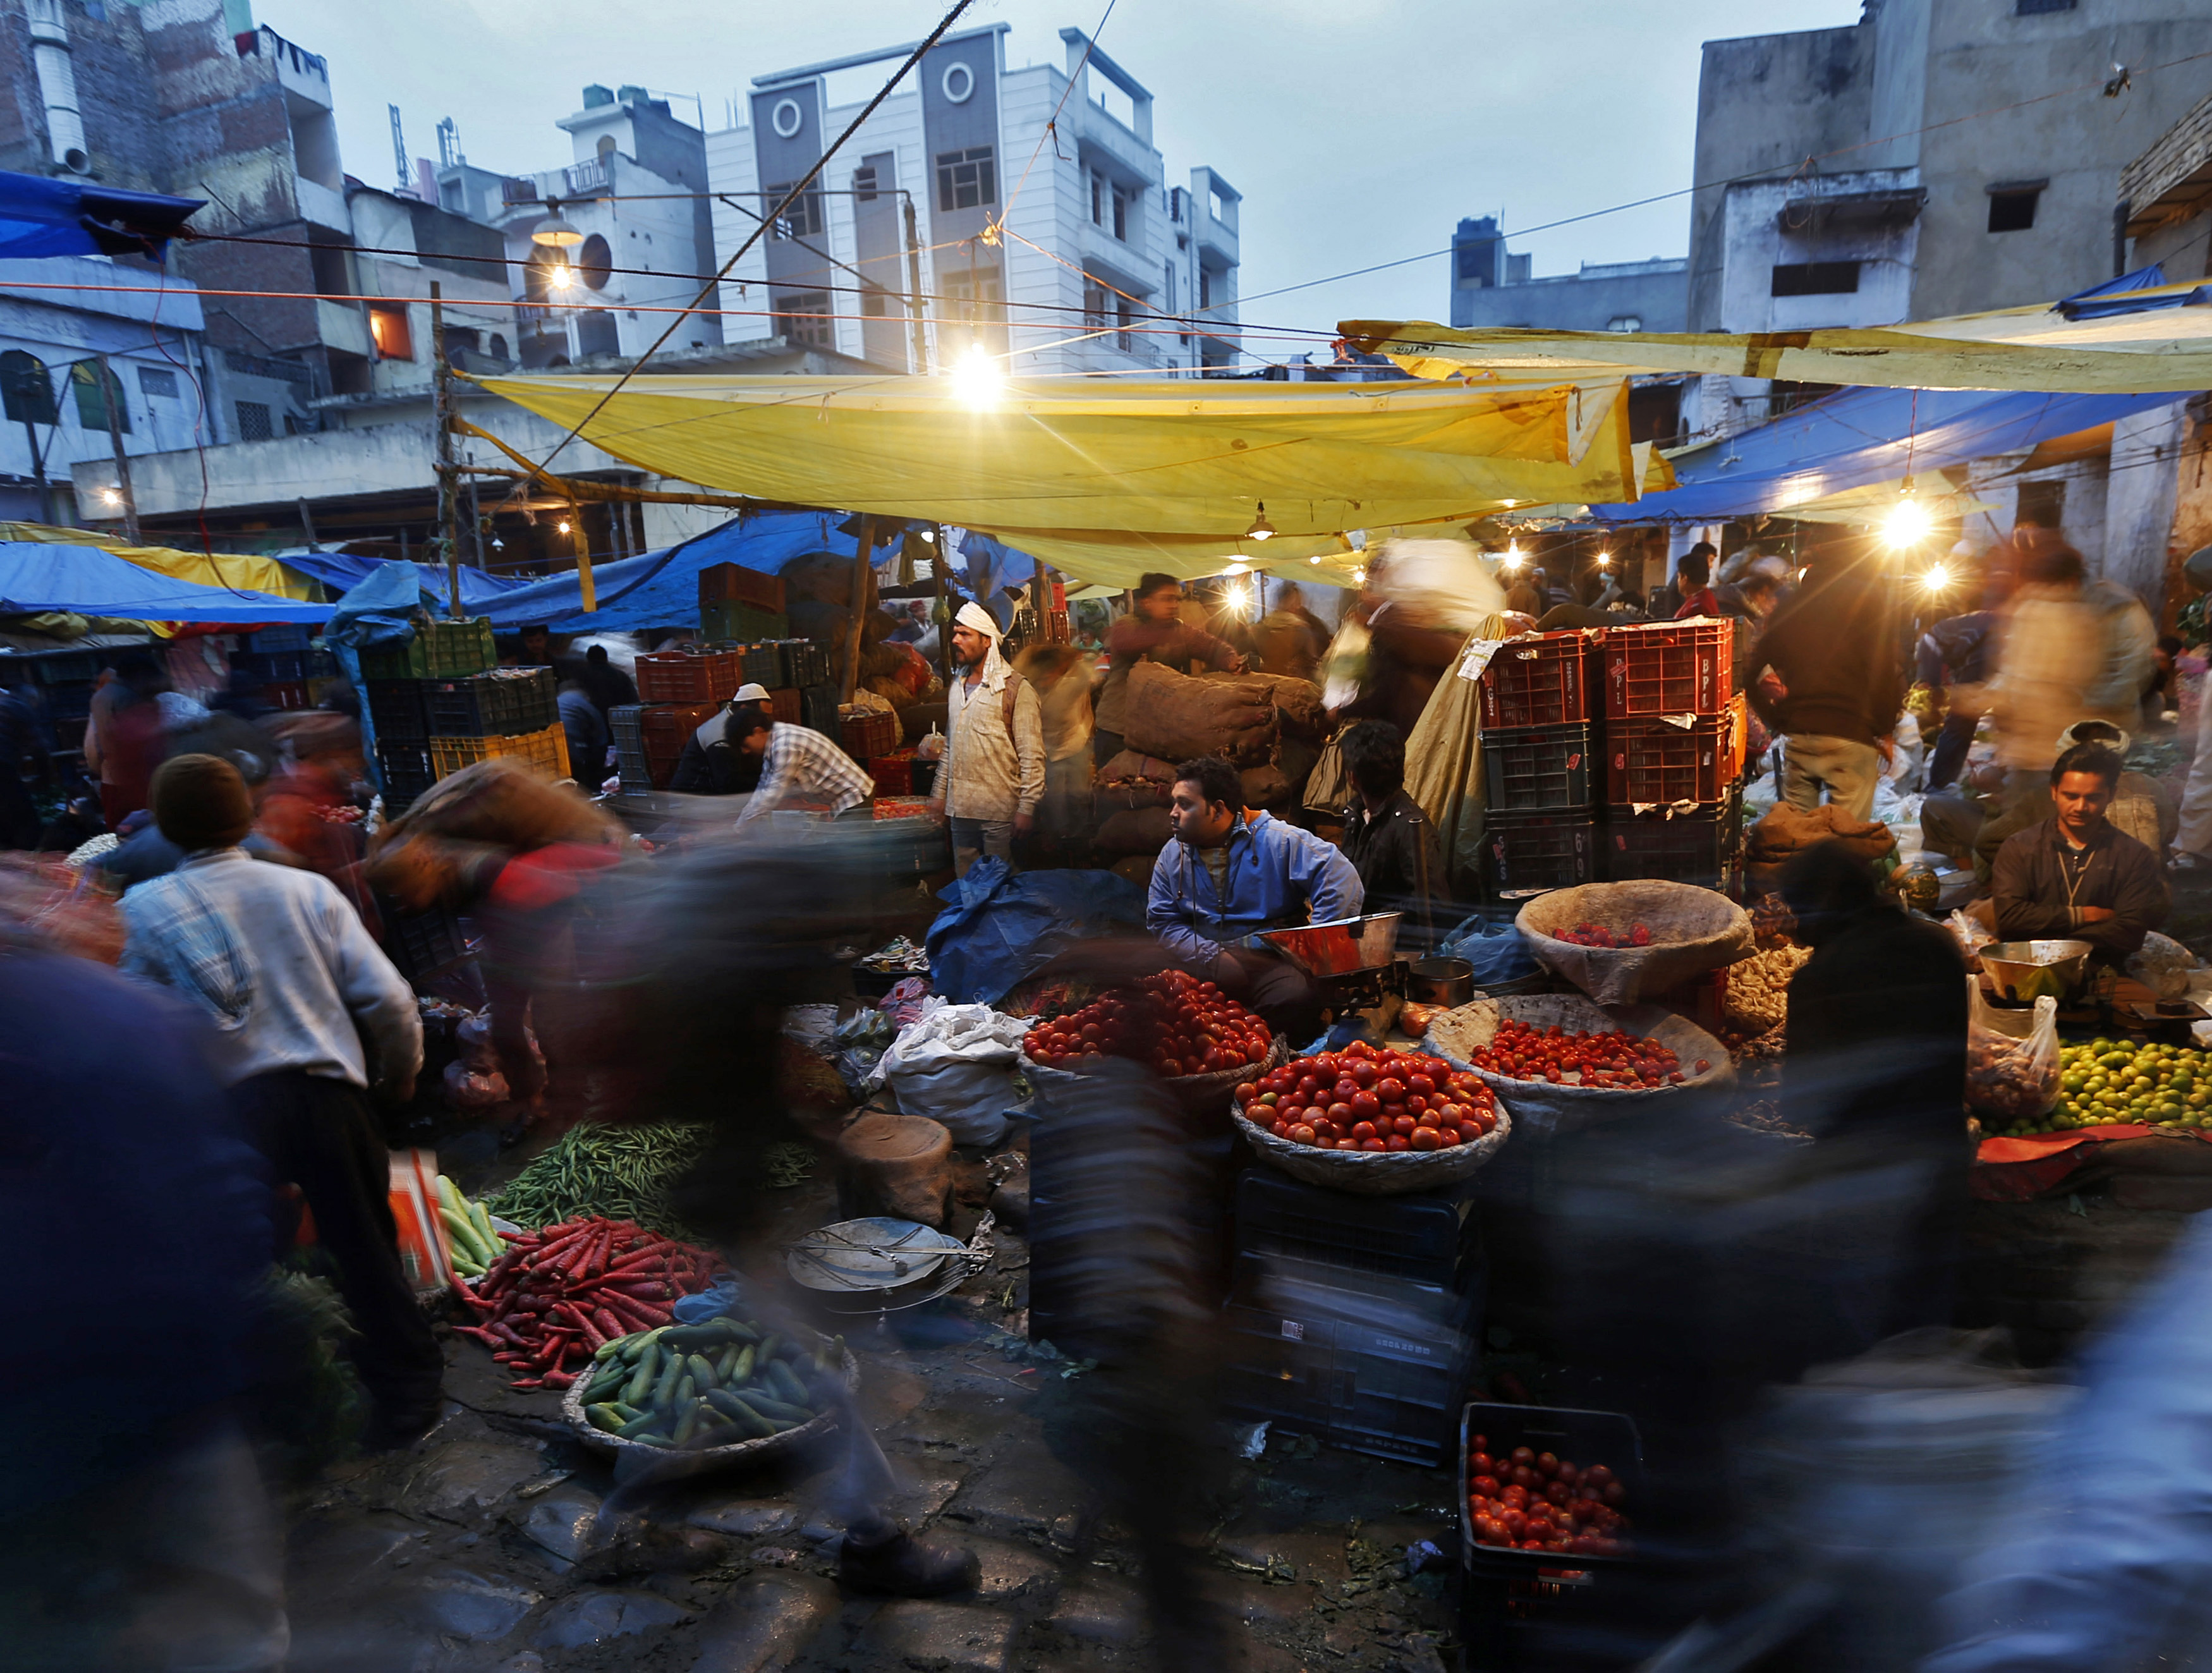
(914, 314)
(860, 562)
(441, 415)
(111, 398)
(941, 567)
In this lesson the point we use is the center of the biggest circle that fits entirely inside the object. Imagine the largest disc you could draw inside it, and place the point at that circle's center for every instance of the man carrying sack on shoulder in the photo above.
(993, 776)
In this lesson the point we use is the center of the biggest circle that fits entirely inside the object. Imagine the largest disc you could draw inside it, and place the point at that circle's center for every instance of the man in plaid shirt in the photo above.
(798, 764)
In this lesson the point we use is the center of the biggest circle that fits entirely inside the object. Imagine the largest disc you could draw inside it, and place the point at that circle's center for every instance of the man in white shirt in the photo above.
(993, 774)
(798, 763)
(291, 985)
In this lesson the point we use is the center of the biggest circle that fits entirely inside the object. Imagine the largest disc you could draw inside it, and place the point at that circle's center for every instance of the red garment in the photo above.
(1703, 602)
(134, 745)
(544, 877)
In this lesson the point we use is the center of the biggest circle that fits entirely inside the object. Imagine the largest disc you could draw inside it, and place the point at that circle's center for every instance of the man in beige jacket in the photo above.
(993, 776)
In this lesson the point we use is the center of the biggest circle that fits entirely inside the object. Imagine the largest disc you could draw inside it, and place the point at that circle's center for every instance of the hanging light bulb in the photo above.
(1938, 577)
(1360, 575)
(113, 495)
(562, 527)
(977, 377)
(1313, 560)
(561, 276)
(1605, 560)
(554, 232)
(1514, 558)
(1908, 523)
(1261, 529)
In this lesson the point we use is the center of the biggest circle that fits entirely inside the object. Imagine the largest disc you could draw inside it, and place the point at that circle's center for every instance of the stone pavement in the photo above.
(482, 1547)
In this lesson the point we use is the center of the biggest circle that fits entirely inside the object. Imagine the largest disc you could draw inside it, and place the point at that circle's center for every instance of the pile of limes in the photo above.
(2114, 1083)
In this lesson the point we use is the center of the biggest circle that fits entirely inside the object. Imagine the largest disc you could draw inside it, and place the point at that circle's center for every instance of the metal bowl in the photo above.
(2023, 972)
(1441, 981)
(1341, 946)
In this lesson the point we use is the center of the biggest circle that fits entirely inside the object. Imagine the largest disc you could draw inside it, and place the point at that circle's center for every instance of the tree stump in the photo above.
(900, 1165)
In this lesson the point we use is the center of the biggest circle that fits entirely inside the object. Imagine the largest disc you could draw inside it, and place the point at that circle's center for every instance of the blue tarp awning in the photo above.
(661, 589)
(44, 217)
(343, 571)
(1859, 437)
(85, 580)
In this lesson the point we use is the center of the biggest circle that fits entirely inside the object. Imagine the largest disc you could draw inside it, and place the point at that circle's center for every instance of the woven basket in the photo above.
(1545, 1109)
(1693, 930)
(1199, 1094)
(633, 1458)
(1368, 1173)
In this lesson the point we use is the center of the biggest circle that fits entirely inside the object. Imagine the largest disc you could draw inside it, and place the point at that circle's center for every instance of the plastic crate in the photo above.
(1669, 668)
(631, 765)
(544, 752)
(406, 772)
(725, 620)
(500, 702)
(1359, 1362)
(804, 663)
(69, 666)
(867, 733)
(286, 694)
(279, 636)
(420, 944)
(689, 676)
(817, 708)
(663, 731)
(1528, 853)
(272, 665)
(439, 650)
(1550, 679)
(69, 731)
(323, 664)
(733, 583)
(1704, 848)
(760, 665)
(1538, 769)
(1674, 761)
(70, 701)
(1426, 1237)
(893, 774)
(395, 710)
(783, 705)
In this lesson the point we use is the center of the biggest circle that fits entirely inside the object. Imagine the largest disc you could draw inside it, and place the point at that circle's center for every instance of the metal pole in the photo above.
(111, 396)
(441, 417)
(913, 292)
(307, 524)
(860, 562)
(39, 470)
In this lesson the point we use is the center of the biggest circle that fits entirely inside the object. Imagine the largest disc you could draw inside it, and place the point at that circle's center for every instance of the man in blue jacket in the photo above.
(1229, 872)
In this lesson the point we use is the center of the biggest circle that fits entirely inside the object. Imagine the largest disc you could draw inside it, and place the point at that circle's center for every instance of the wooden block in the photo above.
(900, 1165)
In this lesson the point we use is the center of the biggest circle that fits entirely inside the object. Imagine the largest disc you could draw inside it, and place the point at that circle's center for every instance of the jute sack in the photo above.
(1178, 718)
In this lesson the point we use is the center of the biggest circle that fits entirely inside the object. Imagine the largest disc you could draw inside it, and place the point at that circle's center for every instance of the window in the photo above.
(595, 263)
(92, 400)
(1174, 205)
(1205, 288)
(28, 389)
(1098, 201)
(863, 184)
(966, 179)
(802, 220)
(1168, 290)
(388, 329)
(2043, 503)
(803, 316)
(597, 334)
(1815, 278)
(1124, 317)
(1214, 204)
(1122, 217)
(1094, 305)
(157, 380)
(498, 346)
(253, 423)
(2012, 211)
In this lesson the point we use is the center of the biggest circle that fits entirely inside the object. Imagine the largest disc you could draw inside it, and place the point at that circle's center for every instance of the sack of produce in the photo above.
(1758, 996)
(1109, 797)
(468, 1088)
(2163, 966)
(1142, 831)
(1266, 785)
(2012, 1059)
(956, 1066)
(1175, 716)
(1132, 763)
(1297, 701)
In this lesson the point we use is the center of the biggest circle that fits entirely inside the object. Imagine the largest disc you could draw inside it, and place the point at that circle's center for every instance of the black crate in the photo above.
(1425, 1236)
(59, 670)
(1361, 1361)
(323, 664)
(421, 944)
(279, 636)
(406, 771)
(280, 666)
(395, 710)
(817, 708)
(501, 703)
(804, 663)
(631, 764)
(1540, 769)
(1530, 853)
(761, 664)
(1704, 848)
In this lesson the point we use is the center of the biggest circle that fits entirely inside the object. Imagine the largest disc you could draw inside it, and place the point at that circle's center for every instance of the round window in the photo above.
(959, 83)
(595, 262)
(786, 119)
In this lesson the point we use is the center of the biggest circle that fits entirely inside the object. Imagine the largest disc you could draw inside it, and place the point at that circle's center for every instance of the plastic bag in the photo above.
(956, 1066)
(1002, 926)
(1498, 955)
(2163, 966)
(2012, 1058)
(468, 1088)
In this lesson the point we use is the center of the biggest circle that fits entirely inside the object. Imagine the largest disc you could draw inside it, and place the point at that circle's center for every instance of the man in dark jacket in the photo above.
(2074, 877)
(1957, 653)
(1389, 840)
(712, 765)
(1834, 649)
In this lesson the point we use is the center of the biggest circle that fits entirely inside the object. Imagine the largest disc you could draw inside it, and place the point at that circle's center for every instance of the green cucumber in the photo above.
(735, 1408)
(787, 1383)
(781, 1410)
(603, 1417)
(727, 1363)
(743, 1370)
(703, 1373)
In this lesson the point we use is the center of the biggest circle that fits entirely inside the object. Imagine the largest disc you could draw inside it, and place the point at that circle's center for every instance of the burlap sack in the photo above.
(1179, 718)
(1693, 930)
(1131, 765)
(1297, 701)
(1134, 831)
(1266, 785)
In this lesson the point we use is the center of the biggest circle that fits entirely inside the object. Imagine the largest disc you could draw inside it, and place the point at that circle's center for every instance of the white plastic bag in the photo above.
(956, 1065)
(2012, 1058)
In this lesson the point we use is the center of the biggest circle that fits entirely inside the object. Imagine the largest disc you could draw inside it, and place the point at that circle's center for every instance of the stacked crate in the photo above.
(680, 692)
(741, 606)
(438, 703)
(1675, 736)
(1540, 738)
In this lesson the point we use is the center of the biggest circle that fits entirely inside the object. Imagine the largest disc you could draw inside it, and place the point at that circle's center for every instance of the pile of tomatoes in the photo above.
(1526, 1501)
(1623, 1062)
(1172, 1022)
(1363, 1098)
(1597, 935)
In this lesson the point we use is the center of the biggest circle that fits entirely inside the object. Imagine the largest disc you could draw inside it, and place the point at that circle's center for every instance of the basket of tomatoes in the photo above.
(1371, 1121)
(1186, 1031)
(1557, 1060)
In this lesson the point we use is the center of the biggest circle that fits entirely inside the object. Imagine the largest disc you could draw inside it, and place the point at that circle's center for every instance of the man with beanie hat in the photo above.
(291, 986)
(993, 776)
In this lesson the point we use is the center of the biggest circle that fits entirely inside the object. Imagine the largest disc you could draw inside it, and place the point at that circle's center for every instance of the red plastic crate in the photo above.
(689, 676)
(738, 585)
(1546, 680)
(1669, 668)
(664, 730)
(285, 694)
(870, 733)
(783, 705)
(1662, 761)
(893, 774)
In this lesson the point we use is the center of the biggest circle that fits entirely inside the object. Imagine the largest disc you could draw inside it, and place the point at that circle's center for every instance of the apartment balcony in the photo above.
(583, 178)
(1104, 144)
(341, 325)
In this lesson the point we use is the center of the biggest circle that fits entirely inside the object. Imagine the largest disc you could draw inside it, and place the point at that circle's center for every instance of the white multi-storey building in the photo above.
(1006, 208)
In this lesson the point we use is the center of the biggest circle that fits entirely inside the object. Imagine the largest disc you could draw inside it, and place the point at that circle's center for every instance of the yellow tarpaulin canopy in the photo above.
(260, 574)
(2148, 352)
(1107, 480)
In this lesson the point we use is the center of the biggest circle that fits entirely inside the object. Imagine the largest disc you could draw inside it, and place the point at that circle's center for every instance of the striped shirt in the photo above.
(802, 762)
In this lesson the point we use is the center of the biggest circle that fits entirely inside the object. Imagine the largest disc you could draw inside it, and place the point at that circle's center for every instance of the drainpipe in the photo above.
(50, 56)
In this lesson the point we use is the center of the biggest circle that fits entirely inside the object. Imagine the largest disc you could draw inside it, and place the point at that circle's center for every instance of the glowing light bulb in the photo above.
(1313, 560)
(1605, 560)
(977, 378)
(1360, 575)
(1514, 557)
(1936, 579)
(562, 278)
(563, 528)
(1909, 523)
(1240, 598)
(113, 495)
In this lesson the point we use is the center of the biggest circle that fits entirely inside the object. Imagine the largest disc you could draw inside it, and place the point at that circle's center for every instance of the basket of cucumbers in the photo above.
(690, 1397)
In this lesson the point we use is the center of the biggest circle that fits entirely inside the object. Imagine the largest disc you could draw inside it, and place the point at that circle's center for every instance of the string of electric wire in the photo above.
(1051, 129)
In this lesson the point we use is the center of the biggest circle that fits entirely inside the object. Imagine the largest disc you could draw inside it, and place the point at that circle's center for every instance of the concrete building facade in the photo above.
(1493, 287)
(1102, 266)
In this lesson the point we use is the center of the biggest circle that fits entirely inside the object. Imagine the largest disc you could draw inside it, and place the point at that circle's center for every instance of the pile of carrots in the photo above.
(560, 1294)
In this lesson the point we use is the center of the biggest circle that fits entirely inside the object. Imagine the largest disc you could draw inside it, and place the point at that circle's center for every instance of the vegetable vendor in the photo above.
(1229, 872)
(712, 765)
(796, 762)
(2075, 876)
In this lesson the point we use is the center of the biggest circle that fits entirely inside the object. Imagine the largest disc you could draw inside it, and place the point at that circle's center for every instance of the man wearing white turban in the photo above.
(993, 776)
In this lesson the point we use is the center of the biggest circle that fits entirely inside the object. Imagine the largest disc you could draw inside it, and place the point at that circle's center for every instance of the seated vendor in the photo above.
(1231, 872)
(2075, 876)
(1387, 837)
(712, 765)
(799, 765)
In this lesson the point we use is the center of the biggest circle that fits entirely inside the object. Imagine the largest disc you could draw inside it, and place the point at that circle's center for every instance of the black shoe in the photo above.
(900, 1566)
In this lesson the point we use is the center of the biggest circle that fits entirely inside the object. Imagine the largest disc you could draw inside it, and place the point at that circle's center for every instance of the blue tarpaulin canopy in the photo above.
(85, 580)
(44, 217)
(1859, 437)
(661, 588)
(345, 570)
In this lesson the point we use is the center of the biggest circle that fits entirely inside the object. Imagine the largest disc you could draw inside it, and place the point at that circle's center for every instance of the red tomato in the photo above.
(1342, 1115)
(1398, 1142)
(1403, 1126)
(1363, 1130)
(1366, 1105)
(1547, 1464)
(1247, 1092)
(1390, 1089)
(1302, 1133)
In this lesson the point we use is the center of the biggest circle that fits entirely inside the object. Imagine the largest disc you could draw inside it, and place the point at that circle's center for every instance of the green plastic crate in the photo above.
(443, 650)
(722, 620)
